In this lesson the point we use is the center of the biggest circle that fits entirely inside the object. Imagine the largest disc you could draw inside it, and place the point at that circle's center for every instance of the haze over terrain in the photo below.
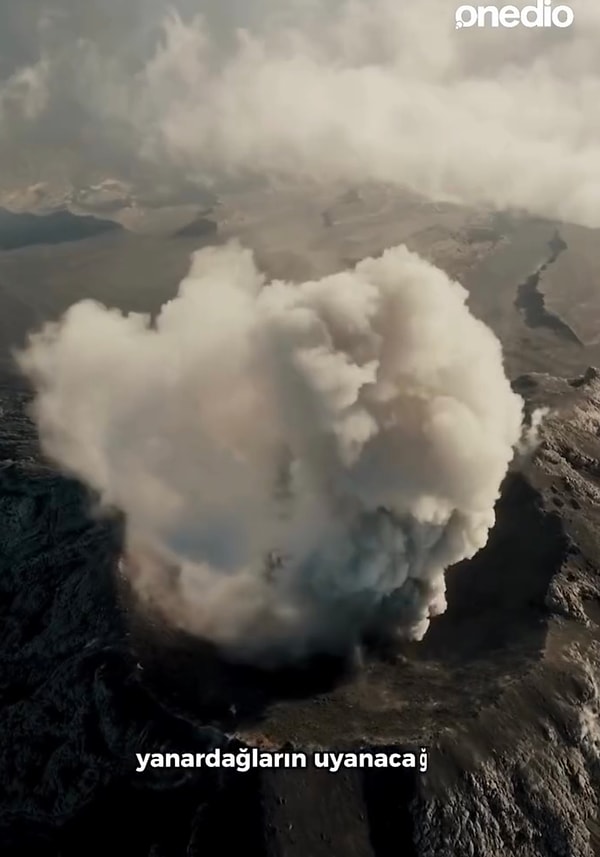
(358, 90)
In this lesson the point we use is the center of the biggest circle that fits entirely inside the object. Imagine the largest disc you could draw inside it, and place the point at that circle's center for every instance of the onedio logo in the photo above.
(543, 14)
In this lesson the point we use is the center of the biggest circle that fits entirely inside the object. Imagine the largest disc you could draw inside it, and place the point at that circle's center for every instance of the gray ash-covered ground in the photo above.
(503, 690)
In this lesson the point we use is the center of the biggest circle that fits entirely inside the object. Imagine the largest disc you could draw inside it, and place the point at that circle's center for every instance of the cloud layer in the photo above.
(354, 90)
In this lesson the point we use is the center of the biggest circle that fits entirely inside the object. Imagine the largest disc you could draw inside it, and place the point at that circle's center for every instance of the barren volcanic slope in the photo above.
(503, 690)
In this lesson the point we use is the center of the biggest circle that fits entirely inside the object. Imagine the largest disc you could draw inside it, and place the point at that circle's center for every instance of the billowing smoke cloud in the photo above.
(298, 464)
(353, 90)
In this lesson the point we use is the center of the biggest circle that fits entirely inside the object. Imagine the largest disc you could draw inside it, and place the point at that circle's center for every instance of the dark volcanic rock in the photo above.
(532, 304)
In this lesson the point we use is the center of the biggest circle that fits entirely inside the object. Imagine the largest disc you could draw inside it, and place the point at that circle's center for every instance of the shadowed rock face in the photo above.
(58, 227)
(496, 690)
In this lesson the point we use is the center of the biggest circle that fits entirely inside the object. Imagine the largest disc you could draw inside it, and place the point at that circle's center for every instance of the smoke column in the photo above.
(298, 464)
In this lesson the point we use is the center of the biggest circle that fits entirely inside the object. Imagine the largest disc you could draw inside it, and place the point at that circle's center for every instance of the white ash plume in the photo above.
(298, 464)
